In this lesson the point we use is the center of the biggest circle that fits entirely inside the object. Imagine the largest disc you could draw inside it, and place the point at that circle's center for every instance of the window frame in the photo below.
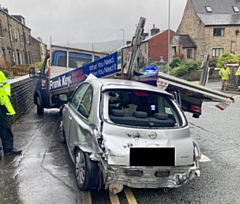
(218, 32)
(216, 52)
(89, 88)
(75, 105)
(168, 102)
(189, 53)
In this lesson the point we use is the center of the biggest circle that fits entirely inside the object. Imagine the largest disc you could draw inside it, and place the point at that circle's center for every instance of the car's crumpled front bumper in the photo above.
(151, 177)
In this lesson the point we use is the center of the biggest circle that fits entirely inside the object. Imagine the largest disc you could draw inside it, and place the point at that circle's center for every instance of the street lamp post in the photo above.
(123, 36)
(168, 34)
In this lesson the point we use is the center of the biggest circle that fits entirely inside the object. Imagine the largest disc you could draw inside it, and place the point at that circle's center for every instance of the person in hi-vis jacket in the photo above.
(6, 109)
(224, 73)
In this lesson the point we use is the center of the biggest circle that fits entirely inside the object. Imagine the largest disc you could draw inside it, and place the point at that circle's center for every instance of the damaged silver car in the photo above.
(121, 132)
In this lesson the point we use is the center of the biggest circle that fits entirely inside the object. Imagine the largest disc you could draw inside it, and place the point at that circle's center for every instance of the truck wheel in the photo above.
(87, 172)
(40, 109)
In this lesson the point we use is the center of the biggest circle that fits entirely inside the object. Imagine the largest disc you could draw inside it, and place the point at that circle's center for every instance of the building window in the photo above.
(10, 32)
(17, 38)
(217, 52)
(3, 54)
(189, 53)
(218, 31)
(1, 29)
(13, 58)
(19, 57)
(174, 49)
(208, 9)
(235, 8)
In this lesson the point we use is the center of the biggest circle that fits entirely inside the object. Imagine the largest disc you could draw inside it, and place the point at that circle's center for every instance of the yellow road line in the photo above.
(114, 198)
(130, 197)
(87, 199)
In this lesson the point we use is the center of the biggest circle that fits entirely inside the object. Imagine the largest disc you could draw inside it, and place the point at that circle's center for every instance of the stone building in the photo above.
(153, 47)
(39, 50)
(156, 45)
(213, 26)
(16, 42)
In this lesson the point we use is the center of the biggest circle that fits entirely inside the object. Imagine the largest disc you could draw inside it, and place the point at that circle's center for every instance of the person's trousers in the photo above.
(224, 84)
(5, 130)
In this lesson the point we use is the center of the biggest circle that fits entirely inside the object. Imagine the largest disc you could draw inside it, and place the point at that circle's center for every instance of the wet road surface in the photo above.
(44, 172)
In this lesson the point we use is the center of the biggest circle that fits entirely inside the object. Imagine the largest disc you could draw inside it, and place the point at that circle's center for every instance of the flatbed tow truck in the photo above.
(56, 78)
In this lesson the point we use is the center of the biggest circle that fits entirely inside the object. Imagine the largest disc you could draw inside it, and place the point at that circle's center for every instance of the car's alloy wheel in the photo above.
(86, 172)
(40, 109)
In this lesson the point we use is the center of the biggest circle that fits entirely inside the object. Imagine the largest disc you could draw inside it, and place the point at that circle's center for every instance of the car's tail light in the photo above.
(195, 108)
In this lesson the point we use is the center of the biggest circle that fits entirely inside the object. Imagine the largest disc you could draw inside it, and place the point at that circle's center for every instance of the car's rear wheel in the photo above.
(40, 109)
(87, 172)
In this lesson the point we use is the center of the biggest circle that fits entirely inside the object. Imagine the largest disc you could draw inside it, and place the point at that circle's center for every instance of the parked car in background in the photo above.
(122, 132)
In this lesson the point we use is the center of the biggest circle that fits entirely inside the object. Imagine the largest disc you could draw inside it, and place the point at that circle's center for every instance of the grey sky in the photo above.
(78, 21)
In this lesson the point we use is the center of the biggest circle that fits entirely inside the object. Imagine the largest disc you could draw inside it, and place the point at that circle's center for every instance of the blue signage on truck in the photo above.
(105, 66)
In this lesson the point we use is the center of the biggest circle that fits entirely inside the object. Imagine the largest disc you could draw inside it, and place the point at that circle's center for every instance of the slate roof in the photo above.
(222, 12)
(186, 41)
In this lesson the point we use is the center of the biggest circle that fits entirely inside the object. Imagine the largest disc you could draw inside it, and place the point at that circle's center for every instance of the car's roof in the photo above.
(108, 83)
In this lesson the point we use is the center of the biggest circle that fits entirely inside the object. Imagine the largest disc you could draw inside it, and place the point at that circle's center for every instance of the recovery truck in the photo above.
(58, 61)
(58, 75)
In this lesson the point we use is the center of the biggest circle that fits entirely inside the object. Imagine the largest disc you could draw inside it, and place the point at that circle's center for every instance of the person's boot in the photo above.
(12, 151)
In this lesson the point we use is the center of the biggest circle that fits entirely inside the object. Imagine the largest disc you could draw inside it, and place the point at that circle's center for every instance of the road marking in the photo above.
(204, 158)
(114, 198)
(130, 197)
(87, 198)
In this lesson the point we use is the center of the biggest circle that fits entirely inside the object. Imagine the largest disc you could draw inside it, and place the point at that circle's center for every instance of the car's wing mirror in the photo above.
(32, 72)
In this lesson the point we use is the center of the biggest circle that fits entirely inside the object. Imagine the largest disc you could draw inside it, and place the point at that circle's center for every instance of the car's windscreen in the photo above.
(142, 108)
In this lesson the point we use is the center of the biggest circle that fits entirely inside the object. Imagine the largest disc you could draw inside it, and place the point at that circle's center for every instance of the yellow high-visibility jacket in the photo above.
(5, 93)
(224, 73)
(238, 72)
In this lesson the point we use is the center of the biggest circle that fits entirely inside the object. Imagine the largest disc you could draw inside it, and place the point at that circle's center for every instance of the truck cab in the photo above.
(59, 60)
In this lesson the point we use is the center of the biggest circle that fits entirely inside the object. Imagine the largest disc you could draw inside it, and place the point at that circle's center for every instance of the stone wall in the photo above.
(232, 80)
(22, 95)
(196, 75)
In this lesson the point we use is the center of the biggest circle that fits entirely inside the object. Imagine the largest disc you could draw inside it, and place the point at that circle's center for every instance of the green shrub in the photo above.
(213, 62)
(226, 58)
(179, 71)
(175, 62)
(192, 66)
(165, 68)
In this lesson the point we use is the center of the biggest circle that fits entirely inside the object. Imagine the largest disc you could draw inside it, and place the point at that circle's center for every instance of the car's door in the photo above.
(79, 132)
(70, 109)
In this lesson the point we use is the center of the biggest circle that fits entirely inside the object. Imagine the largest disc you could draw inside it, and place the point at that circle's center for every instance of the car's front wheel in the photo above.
(87, 172)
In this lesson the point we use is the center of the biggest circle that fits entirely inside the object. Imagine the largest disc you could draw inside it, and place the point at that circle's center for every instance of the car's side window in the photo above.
(79, 94)
(86, 103)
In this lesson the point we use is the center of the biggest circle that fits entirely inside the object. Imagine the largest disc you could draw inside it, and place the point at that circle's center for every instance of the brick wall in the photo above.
(22, 95)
